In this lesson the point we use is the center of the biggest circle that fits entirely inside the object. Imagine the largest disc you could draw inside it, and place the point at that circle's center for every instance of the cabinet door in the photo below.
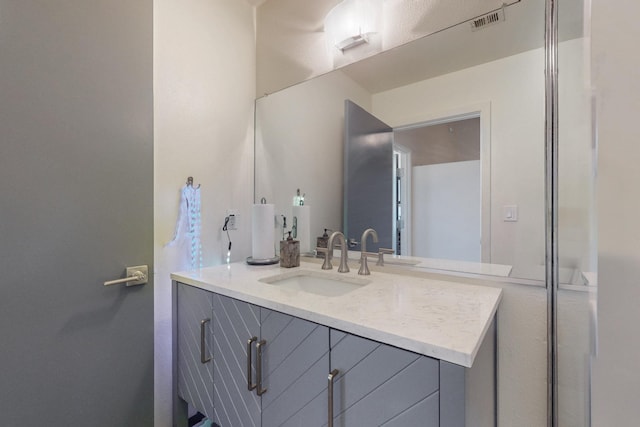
(195, 368)
(378, 384)
(234, 323)
(295, 366)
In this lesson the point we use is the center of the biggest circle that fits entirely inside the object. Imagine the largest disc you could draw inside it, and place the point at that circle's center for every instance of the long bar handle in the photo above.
(137, 275)
(250, 342)
(203, 351)
(260, 391)
(332, 375)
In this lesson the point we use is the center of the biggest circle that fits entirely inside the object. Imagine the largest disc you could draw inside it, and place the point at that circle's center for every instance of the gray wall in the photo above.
(76, 185)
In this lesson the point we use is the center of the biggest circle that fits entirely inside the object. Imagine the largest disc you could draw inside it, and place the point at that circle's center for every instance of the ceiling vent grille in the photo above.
(487, 20)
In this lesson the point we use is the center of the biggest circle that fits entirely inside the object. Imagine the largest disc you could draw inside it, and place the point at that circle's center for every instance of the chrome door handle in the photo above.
(250, 342)
(332, 375)
(260, 391)
(203, 357)
(137, 275)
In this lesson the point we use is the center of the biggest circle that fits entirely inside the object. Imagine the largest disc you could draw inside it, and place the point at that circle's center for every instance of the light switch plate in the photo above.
(232, 214)
(510, 213)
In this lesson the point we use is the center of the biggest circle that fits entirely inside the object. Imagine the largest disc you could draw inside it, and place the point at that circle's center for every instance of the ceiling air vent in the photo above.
(486, 20)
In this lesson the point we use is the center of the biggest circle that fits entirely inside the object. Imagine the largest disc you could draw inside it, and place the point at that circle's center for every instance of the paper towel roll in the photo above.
(262, 232)
(303, 215)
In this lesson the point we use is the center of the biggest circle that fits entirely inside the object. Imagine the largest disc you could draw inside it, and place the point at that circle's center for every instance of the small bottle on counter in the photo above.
(289, 252)
(322, 242)
(298, 200)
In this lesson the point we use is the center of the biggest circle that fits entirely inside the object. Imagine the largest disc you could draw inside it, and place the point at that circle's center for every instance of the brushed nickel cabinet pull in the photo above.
(250, 342)
(203, 357)
(260, 391)
(332, 375)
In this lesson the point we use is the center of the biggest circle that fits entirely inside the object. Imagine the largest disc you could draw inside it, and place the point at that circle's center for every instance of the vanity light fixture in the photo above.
(351, 22)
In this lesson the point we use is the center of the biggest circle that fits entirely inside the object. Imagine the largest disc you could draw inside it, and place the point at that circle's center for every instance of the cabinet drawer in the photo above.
(296, 366)
(378, 384)
(234, 323)
(195, 378)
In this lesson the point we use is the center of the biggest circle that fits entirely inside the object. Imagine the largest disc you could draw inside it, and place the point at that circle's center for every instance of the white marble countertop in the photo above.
(440, 319)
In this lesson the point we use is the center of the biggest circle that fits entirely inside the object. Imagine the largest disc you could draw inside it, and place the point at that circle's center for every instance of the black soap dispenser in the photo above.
(289, 252)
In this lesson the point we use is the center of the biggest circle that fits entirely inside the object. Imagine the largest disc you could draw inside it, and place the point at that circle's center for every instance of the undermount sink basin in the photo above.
(314, 282)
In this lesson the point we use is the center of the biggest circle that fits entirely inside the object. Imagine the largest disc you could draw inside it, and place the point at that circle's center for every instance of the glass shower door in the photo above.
(577, 245)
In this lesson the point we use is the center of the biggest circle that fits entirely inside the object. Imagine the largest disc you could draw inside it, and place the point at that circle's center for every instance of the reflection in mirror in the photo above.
(495, 75)
(445, 171)
(430, 172)
(292, 45)
(368, 178)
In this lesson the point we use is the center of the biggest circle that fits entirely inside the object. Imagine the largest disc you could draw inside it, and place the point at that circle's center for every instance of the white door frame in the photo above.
(483, 111)
(405, 201)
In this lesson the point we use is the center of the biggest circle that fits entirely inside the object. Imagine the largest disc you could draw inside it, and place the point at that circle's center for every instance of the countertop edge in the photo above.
(457, 357)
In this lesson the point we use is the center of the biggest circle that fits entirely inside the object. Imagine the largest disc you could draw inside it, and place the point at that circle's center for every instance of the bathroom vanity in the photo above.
(269, 346)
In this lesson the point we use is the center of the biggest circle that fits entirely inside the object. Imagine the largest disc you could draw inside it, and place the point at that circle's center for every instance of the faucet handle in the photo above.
(381, 252)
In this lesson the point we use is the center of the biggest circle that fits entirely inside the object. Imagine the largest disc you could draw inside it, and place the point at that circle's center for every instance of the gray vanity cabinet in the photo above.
(194, 348)
(288, 358)
(234, 324)
(269, 369)
(378, 384)
(295, 369)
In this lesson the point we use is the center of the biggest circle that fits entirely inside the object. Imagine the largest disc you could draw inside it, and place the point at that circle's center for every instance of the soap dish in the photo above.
(266, 261)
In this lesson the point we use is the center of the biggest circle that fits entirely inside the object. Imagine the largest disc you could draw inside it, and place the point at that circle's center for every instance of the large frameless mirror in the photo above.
(464, 192)
(467, 112)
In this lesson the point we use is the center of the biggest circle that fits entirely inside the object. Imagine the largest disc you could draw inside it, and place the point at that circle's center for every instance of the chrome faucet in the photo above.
(364, 267)
(328, 252)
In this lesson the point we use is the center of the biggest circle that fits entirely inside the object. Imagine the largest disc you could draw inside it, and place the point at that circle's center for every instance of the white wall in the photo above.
(514, 86)
(616, 378)
(204, 85)
(300, 145)
(446, 211)
(577, 157)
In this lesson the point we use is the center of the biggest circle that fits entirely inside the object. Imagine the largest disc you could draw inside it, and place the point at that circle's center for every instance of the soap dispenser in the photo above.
(289, 252)
(322, 241)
